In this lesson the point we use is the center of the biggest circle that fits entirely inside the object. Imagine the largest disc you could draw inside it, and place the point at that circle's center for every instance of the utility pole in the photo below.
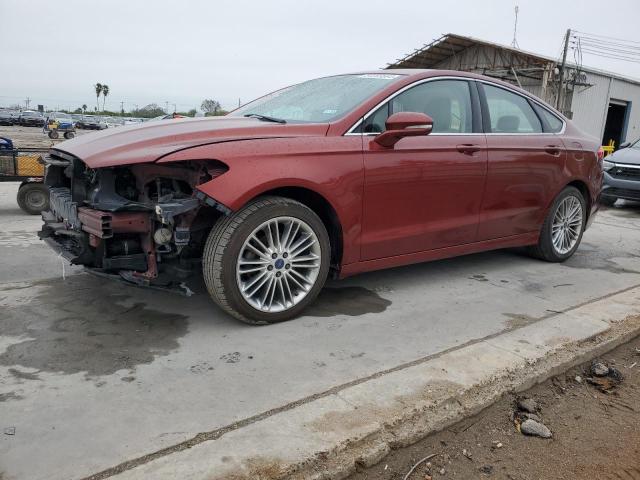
(560, 98)
(27, 101)
(514, 42)
(121, 108)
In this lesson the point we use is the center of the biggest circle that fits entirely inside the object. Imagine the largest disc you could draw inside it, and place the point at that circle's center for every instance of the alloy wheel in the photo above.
(278, 264)
(567, 225)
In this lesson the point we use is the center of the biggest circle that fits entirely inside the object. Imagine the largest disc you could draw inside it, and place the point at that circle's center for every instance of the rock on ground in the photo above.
(535, 429)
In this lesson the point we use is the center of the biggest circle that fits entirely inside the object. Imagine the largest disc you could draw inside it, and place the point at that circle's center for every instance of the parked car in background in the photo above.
(113, 122)
(77, 117)
(622, 174)
(31, 118)
(334, 176)
(9, 117)
(92, 122)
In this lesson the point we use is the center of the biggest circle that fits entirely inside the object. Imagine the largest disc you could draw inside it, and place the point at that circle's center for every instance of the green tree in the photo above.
(210, 106)
(98, 89)
(105, 92)
(148, 111)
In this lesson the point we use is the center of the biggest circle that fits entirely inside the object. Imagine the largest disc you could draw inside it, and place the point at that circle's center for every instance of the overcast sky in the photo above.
(183, 51)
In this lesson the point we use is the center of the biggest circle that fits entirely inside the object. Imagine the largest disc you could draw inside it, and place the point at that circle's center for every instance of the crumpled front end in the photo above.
(145, 223)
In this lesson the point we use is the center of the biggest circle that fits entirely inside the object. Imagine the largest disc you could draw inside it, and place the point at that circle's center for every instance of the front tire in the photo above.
(267, 262)
(563, 227)
(33, 198)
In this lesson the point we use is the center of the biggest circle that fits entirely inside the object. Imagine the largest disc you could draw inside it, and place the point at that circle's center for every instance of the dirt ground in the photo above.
(596, 435)
(31, 137)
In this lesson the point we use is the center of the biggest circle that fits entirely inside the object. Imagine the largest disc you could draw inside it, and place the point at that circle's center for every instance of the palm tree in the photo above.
(84, 108)
(105, 92)
(98, 87)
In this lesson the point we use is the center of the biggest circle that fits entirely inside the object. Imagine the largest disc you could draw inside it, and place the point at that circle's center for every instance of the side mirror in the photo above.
(404, 124)
(624, 145)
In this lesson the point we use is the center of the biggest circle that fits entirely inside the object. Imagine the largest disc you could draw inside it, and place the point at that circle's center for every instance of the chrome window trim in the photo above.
(450, 77)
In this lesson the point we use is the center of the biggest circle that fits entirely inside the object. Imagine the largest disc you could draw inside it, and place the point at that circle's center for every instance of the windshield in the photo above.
(319, 100)
(30, 114)
(61, 115)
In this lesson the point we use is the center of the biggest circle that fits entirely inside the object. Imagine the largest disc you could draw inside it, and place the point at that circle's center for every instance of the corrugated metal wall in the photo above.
(590, 104)
(484, 59)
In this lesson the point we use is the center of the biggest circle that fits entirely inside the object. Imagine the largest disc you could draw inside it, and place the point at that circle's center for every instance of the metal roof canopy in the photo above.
(508, 63)
(504, 63)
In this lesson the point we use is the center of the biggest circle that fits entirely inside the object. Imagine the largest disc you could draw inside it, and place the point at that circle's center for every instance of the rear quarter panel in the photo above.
(330, 166)
(582, 164)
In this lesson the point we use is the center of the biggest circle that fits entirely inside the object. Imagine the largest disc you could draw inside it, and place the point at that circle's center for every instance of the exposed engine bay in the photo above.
(143, 222)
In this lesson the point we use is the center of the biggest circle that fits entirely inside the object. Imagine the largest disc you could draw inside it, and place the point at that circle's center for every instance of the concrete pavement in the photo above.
(94, 373)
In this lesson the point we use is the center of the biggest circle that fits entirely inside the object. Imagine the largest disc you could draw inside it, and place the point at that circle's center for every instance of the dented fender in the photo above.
(329, 166)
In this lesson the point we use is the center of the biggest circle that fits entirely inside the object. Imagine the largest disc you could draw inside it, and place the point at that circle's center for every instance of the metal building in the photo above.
(603, 104)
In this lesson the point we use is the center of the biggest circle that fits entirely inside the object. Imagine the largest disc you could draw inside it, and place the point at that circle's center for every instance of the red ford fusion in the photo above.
(331, 177)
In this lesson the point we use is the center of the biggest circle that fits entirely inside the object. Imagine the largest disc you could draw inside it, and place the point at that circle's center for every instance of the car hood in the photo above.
(150, 141)
(626, 155)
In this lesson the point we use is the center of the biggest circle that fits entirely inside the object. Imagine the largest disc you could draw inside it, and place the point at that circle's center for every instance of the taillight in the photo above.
(600, 154)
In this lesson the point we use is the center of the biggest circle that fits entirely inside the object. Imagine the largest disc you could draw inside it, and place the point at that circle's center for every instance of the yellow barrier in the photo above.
(609, 149)
(29, 166)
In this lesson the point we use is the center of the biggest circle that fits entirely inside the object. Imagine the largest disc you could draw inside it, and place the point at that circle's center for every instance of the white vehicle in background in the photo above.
(132, 121)
(113, 122)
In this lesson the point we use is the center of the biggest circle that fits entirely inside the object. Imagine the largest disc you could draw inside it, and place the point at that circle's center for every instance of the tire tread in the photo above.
(219, 238)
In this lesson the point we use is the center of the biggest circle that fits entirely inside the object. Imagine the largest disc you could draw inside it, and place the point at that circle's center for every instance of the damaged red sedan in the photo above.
(330, 177)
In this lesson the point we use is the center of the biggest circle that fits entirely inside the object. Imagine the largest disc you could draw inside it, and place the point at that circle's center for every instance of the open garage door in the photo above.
(615, 127)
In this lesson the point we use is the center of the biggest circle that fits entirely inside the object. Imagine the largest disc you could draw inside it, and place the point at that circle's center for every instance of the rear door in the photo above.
(525, 164)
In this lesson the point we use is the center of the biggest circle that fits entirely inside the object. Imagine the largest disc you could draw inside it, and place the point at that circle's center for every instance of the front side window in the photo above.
(447, 102)
(319, 100)
(509, 112)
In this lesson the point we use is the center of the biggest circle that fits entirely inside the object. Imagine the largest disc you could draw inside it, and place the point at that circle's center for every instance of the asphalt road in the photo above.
(93, 373)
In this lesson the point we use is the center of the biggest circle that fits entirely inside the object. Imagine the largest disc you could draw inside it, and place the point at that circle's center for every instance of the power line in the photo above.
(605, 37)
(600, 54)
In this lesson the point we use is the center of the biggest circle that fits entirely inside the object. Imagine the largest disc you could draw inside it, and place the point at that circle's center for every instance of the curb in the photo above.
(328, 438)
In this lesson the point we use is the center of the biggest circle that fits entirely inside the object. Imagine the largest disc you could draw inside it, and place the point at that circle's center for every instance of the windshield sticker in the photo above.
(379, 76)
(330, 112)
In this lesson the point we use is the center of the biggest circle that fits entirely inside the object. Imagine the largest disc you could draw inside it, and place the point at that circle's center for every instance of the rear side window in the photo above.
(509, 112)
(553, 123)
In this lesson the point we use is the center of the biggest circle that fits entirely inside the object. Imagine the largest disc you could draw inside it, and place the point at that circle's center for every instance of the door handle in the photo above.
(552, 150)
(468, 148)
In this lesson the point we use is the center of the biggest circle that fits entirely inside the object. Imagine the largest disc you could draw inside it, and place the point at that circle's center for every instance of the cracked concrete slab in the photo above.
(90, 385)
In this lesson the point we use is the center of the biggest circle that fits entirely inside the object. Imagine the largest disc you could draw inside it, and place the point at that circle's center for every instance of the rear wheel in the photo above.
(563, 227)
(69, 135)
(53, 134)
(267, 262)
(33, 198)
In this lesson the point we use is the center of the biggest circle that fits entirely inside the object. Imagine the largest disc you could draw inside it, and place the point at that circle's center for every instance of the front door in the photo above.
(425, 192)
